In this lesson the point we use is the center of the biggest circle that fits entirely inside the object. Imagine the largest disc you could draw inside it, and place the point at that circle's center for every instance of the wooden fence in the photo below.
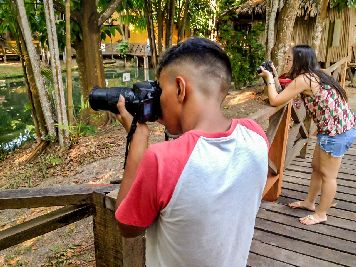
(287, 130)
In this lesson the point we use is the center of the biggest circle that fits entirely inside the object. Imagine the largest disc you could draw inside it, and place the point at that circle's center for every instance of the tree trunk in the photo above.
(69, 66)
(33, 94)
(159, 25)
(29, 93)
(170, 23)
(89, 57)
(285, 26)
(271, 12)
(151, 32)
(183, 21)
(63, 133)
(35, 63)
(320, 24)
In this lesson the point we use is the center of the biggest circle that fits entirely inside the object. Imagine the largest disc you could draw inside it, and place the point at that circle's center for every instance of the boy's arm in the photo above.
(138, 146)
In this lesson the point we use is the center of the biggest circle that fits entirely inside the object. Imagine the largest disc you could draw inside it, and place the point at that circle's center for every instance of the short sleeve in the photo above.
(140, 207)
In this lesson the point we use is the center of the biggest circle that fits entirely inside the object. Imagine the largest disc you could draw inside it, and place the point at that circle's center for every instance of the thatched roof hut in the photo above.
(339, 33)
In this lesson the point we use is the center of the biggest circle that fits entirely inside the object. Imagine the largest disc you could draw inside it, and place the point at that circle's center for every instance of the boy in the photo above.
(197, 195)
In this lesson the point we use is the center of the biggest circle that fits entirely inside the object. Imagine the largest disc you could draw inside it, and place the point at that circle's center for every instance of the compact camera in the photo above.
(142, 100)
(267, 65)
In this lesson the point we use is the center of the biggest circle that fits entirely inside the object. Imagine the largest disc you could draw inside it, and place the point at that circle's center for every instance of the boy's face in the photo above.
(170, 105)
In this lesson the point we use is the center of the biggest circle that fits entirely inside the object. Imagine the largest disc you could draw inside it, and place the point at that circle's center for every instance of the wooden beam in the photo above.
(52, 196)
(111, 249)
(265, 113)
(42, 224)
(274, 122)
(333, 67)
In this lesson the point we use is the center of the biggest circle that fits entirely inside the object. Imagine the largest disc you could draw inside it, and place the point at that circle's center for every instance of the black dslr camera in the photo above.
(267, 65)
(142, 101)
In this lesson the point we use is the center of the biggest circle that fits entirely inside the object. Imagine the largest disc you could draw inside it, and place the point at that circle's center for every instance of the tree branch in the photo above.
(61, 8)
(108, 12)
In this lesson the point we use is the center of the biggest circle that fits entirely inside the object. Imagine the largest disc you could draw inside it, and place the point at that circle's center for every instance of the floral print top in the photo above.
(330, 112)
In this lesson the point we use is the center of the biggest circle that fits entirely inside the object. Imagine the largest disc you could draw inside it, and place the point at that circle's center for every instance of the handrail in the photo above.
(285, 131)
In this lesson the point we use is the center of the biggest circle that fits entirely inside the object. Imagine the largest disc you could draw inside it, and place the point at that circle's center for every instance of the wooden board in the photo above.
(281, 240)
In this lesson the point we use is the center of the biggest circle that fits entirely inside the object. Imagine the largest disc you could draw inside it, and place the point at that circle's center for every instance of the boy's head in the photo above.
(193, 72)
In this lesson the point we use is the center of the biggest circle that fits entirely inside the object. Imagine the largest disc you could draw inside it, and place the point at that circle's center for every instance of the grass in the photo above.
(11, 70)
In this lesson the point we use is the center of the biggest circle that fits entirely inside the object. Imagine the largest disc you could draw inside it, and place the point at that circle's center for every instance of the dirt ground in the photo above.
(93, 159)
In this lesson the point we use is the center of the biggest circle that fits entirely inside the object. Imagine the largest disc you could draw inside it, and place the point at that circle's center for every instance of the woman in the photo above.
(326, 102)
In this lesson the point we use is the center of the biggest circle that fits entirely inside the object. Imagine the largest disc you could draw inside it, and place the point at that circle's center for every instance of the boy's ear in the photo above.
(181, 88)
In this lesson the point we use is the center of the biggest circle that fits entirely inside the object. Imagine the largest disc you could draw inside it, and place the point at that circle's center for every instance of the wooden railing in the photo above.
(287, 136)
(287, 131)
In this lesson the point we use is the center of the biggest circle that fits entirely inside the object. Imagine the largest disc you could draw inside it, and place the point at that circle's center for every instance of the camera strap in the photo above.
(130, 135)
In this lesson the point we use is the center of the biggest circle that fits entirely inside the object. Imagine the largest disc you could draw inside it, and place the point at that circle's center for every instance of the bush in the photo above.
(245, 51)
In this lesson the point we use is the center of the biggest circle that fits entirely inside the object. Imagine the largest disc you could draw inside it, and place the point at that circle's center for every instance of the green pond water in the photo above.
(15, 111)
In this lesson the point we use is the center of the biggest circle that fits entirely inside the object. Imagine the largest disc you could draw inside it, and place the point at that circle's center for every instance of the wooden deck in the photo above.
(280, 240)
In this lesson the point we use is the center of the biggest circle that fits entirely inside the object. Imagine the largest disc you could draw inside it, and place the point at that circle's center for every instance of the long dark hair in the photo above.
(305, 61)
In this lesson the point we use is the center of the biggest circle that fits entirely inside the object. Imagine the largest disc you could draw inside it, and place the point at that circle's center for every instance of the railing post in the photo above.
(111, 249)
(277, 154)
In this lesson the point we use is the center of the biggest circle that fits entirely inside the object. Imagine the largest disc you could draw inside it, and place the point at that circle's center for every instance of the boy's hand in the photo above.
(124, 117)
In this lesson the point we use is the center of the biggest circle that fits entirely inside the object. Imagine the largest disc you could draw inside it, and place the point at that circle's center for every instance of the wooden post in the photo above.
(111, 249)
(343, 74)
(277, 154)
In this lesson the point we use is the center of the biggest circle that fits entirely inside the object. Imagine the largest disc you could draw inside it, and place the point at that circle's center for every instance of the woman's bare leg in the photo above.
(314, 186)
(328, 169)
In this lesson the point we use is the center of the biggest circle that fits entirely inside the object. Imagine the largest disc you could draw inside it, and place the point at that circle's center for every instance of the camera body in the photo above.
(267, 65)
(143, 100)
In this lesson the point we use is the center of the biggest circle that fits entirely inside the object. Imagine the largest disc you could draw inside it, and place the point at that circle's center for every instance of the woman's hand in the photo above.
(266, 75)
(275, 73)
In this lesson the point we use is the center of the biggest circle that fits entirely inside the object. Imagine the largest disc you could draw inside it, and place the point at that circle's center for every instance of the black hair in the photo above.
(305, 62)
(202, 52)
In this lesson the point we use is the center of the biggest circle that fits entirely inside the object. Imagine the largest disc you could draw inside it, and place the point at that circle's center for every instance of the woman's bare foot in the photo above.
(312, 219)
(302, 205)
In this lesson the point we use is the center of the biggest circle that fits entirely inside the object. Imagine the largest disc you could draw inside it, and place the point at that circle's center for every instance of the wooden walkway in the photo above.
(280, 240)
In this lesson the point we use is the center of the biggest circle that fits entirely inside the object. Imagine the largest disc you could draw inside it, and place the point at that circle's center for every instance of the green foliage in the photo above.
(123, 47)
(245, 51)
(340, 4)
(199, 16)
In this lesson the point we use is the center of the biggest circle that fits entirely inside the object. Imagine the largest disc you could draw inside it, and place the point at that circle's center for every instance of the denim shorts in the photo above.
(337, 145)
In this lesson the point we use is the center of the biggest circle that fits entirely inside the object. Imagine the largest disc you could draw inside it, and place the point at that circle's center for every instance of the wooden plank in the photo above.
(339, 195)
(277, 153)
(305, 175)
(305, 185)
(341, 174)
(51, 196)
(255, 260)
(345, 205)
(42, 224)
(344, 163)
(343, 168)
(295, 150)
(322, 240)
(287, 256)
(289, 243)
(335, 212)
(335, 227)
(297, 213)
(265, 113)
(111, 249)
(274, 122)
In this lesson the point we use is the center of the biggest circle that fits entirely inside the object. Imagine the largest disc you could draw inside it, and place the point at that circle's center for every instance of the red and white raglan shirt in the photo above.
(199, 195)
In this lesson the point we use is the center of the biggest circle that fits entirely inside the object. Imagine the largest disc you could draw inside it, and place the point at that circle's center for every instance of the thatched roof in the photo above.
(307, 8)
